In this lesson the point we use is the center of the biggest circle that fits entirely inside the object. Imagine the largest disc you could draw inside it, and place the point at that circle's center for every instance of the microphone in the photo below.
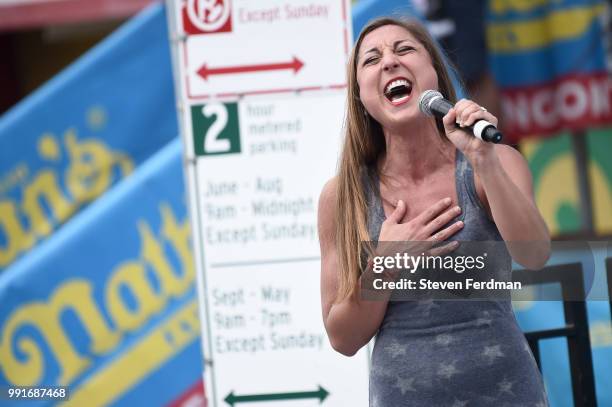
(432, 103)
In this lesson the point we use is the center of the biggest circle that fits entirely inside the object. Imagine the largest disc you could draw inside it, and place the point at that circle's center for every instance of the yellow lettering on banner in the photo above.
(90, 172)
(45, 185)
(549, 196)
(180, 330)
(602, 199)
(149, 353)
(48, 147)
(557, 26)
(75, 296)
(132, 275)
(503, 6)
(13, 177)
(91, 167)
(17, 239)
(25, 365)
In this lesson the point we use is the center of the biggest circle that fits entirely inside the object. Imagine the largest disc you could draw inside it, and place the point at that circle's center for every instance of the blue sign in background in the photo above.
(533, 50)
(84, 131)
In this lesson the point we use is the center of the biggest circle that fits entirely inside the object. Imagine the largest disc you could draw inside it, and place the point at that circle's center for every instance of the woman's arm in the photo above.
(507, 185)
(352, 322)
(505, 179)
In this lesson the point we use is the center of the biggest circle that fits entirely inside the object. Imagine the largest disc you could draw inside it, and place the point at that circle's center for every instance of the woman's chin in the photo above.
(402, 119)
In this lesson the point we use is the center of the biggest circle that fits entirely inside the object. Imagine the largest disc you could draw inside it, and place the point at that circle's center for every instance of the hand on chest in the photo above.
(419, 198)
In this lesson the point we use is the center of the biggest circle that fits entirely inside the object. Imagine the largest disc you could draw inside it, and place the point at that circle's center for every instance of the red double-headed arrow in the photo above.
(205, 71)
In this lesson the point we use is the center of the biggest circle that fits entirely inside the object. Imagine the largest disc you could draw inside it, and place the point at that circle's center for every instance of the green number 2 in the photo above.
(216, 128)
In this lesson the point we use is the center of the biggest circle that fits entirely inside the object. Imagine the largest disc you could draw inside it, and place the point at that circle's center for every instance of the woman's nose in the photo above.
(390, 62)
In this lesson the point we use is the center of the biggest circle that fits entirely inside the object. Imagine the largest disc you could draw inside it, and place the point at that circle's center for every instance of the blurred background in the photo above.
(97, 281)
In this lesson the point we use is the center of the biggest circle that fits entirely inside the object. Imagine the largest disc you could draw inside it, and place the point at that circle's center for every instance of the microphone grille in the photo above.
(425, 100)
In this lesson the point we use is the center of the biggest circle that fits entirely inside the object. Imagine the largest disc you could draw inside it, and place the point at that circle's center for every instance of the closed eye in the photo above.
(370, 60)
(405, 49)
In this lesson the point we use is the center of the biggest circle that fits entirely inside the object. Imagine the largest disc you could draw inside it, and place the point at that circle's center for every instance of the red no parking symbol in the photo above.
(207, 16)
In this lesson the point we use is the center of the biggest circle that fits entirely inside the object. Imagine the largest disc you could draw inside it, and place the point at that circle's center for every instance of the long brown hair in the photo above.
(363, 145)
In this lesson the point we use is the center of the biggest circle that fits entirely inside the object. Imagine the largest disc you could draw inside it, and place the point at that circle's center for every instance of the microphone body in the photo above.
(432, 103)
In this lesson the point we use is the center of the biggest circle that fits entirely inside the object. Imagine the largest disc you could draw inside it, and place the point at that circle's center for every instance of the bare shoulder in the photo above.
(327, 241)
(327, 199)
(511, 158)
(516, 166)
(326, 213)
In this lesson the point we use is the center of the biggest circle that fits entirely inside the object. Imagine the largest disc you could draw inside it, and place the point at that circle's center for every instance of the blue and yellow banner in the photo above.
(107, 305)
(552, 160)
(84, 131)
(548, 58)
(97, 281)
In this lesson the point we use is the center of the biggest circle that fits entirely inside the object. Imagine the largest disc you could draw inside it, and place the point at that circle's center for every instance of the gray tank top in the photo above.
(478, 226)
(452, 352)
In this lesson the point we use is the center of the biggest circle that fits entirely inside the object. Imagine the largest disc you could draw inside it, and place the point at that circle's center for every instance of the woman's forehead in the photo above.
(386, 35)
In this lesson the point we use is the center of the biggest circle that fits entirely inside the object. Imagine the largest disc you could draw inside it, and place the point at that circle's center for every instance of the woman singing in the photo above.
(406, 177)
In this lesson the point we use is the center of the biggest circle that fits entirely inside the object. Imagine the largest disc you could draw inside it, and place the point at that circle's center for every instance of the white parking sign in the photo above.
(266, 46)
(261, 88)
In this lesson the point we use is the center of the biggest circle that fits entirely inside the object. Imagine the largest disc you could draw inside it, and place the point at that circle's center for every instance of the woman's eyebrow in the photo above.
(395, 44)
(374, 49)
(398, 42)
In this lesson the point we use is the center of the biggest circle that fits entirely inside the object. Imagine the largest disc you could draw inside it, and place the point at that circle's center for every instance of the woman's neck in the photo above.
(412, 155)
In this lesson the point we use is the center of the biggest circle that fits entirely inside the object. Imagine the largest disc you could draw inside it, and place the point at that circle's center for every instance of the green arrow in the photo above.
(321, 394)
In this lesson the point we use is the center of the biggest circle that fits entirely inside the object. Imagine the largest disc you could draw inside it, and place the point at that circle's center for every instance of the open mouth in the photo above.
(398, 90)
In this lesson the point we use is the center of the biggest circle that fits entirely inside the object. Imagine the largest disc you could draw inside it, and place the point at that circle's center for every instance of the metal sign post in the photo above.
(261, 90)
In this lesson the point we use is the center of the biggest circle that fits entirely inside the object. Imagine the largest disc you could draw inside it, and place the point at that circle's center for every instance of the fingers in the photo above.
(449, 121)
(429, 214)
(468, 113)
(442, 250)
(441, 220)
(447, 232)
(398, 213)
